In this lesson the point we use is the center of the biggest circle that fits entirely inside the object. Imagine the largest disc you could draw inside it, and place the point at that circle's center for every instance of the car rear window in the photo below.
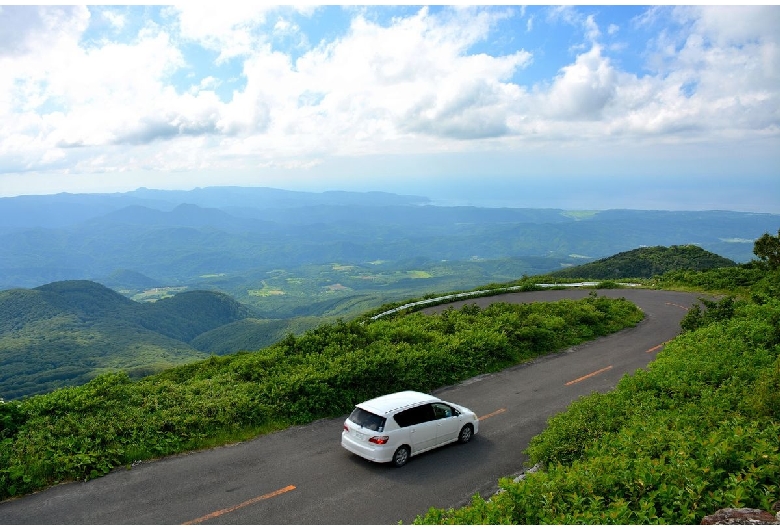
(367, 420)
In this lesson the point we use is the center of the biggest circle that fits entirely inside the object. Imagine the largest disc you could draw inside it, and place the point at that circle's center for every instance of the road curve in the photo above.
(302, 476)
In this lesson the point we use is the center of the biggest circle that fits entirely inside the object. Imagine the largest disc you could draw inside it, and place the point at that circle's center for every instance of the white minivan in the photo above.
(394, 427)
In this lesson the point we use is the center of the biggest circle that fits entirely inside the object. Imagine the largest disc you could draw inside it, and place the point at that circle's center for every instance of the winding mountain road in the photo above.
(302, 475)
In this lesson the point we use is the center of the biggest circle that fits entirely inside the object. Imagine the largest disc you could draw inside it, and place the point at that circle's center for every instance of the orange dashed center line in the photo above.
(589, 375)
(677, 305)
(651, 350)
(486, 416)
(239, 506)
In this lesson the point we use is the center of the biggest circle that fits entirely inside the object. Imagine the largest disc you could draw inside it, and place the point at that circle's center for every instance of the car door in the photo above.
(447, 423)
(421, 427)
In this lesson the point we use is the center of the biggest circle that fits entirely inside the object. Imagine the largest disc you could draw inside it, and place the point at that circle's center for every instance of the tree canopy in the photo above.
(767, 249)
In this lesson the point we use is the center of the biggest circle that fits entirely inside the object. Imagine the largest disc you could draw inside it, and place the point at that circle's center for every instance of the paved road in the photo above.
(303, 476)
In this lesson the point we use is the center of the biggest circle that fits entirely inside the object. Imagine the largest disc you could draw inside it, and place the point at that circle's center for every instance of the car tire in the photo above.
(465, 434)
(401, 456)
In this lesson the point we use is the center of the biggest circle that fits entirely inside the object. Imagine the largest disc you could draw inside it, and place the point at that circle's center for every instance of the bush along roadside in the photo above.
(696, 432)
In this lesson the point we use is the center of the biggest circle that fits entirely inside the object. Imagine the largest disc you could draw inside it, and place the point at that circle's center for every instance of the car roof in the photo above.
(390, 402)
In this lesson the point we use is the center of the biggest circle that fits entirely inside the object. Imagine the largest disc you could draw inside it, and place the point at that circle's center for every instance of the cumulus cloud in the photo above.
(377, 83)
(712, 75)
(415, 83)
(727, 59)
(582, 90)
(227, 31)
(117, 20)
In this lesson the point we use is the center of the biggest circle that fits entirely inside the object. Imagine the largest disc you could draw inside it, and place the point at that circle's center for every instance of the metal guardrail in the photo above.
(472, 293)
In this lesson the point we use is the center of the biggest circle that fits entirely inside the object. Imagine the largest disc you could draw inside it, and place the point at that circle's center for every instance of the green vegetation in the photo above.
(235, 337)
(767, 249)
(580, 214)
(84, 432)
(151, 295)
(67, 333)
(646, 263)
(697, 431)
(49, 338)
(308, 290)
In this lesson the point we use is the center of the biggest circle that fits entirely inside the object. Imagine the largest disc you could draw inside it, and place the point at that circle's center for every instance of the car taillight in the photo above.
(380, 440)
(346, 428)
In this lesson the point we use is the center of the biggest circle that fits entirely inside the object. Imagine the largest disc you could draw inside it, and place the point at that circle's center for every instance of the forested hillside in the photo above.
(646, 263)
(67, 333)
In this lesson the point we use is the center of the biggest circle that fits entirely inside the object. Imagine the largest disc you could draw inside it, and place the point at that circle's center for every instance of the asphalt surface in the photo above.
(303, 476)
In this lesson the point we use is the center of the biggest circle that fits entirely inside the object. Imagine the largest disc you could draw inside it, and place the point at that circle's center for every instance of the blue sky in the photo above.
(578, 106)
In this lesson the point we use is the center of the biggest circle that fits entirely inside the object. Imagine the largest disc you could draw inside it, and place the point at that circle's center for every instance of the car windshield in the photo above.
(367, 420)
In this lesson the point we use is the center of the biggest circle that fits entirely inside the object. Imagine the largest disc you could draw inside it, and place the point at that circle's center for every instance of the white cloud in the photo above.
(582, 90)
(375, 86)
(409, 85)
(66, 94)
(231, 32)
(713, 80)
(728, 57)
(117, 20)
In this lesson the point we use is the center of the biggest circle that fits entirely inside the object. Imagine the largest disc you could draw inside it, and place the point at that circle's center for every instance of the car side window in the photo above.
(414, 415)
(442, 411)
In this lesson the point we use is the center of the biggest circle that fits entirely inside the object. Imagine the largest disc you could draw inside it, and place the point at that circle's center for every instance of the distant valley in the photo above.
(290, 254)
(232, 269)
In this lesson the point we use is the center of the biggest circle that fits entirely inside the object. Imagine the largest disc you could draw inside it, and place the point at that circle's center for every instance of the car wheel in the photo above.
(401, 456)
(465, 434)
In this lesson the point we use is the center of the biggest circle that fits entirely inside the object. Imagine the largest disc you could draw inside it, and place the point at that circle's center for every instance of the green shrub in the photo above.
(697, 431)
(12, 417)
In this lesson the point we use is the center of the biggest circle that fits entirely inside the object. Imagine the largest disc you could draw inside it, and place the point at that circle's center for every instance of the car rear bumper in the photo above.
(373, 452)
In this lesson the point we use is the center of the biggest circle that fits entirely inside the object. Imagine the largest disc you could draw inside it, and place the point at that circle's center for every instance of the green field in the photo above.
(347, 289)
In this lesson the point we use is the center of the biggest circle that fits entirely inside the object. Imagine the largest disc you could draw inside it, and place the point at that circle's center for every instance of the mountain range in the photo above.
(237, 235)
(232, 268)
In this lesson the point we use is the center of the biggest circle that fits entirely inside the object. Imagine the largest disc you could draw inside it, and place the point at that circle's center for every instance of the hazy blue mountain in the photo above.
(127, 279)
(67, 209)
(419, 216)
(189, 215)
(182, 237)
